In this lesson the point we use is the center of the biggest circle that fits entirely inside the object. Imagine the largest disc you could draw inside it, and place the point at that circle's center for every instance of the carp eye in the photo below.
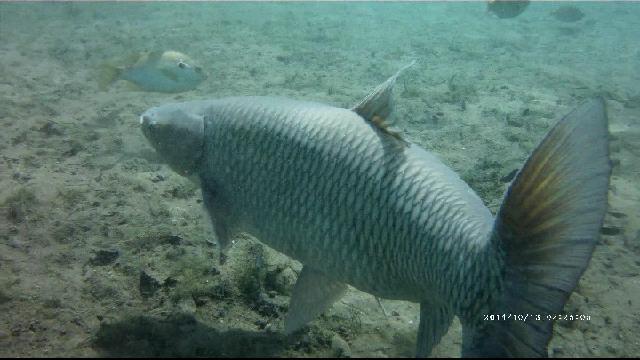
(182, 65)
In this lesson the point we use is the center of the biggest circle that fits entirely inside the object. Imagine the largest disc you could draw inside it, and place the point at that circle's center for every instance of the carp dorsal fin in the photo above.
(155, 55)
(145, 58)
(378, 105)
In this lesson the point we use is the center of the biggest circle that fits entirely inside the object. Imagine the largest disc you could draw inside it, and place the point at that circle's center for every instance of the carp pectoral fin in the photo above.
(312, 295)
(434, 323)
(378, 105)
(151, 57)
(221, 218)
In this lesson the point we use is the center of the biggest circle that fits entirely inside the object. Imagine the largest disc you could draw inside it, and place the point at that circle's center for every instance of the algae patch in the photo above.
(19, 205)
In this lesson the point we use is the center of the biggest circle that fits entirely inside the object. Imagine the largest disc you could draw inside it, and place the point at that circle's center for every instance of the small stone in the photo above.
(4, 298)
(170, 282)
(213, 271)
(211, 243)
(104, 257)
(187, 306)
(51, 128)
(281, 281)
(158, 178)
(304, 344)
(171, 239)
(17, 244)
(220, 313)
(52, 303)
(610, 230)
(148, 285)
(22, 177)
(507, 178)
(261, 324)
(395, 313)
(200, 300)
(270, 307)
(340, 347)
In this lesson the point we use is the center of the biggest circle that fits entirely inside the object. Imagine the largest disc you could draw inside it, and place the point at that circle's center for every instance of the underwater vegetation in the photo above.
(19, 205)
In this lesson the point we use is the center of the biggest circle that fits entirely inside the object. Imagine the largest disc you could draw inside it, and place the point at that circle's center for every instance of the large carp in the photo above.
(343, 193)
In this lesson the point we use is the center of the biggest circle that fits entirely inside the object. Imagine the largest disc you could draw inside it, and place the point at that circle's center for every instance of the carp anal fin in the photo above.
(434, 323)
(378, 105)
(312, 295)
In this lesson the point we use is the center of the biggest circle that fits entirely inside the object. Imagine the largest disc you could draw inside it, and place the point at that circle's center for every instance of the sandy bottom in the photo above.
(104, 251)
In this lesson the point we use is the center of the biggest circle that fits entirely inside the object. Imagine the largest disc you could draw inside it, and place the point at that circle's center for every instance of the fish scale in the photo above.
(334, 177)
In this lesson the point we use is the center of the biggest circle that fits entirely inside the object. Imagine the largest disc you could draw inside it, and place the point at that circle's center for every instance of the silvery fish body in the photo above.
(339, 191)
(316, 183)
(160, 71)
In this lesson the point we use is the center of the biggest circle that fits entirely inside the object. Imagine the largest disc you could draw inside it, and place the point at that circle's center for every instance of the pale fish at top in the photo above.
(357, 204)
(506, 9)
(160, 71)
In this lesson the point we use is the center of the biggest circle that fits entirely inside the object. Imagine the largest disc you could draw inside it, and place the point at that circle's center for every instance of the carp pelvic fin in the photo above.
(312, 295)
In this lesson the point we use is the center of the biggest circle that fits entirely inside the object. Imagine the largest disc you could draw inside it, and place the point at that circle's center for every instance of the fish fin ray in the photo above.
(378, 105)
(547, 228)
(107, 75)
(153, 56)
(221, 218)
(434, 323)
(312, 295)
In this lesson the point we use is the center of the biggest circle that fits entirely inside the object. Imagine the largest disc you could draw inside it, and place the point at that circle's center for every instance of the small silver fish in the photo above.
(168, 72)
(341, 192)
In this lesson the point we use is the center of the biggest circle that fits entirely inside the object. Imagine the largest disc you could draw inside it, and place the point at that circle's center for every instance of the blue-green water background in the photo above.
(76, 175)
